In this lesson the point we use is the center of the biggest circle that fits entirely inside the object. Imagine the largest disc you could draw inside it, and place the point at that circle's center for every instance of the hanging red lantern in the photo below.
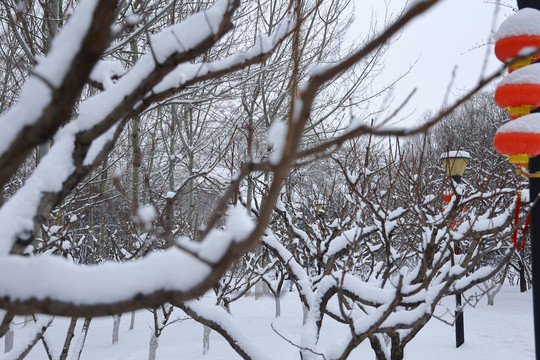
(519, 35)
(510, 48)
(519, 140)
(447, 197)
(519, 92)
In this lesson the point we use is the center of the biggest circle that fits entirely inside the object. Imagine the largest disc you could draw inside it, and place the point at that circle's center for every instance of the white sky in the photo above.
(451, 35)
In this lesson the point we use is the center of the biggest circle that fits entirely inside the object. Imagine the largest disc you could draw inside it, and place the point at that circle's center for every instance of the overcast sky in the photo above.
(453, 34)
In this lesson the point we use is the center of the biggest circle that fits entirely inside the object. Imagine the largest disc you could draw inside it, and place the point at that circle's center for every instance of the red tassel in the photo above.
(524, 242)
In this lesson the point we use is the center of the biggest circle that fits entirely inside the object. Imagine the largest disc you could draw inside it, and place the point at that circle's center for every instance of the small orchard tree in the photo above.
(388, 259)
(179, 52)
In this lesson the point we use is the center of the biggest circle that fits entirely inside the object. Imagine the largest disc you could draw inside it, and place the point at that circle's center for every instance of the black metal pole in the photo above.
(535, 4)
(534, 190)
(460, 326)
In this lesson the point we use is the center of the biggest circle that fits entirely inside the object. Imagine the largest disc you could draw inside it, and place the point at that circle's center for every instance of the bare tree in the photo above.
(203, 50)
(389, 251)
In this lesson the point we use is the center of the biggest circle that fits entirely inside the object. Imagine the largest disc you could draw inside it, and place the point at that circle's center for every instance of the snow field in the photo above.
(500, 332)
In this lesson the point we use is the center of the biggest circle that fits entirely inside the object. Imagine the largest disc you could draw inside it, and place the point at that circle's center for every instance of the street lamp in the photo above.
(454, 163)
(318, 209)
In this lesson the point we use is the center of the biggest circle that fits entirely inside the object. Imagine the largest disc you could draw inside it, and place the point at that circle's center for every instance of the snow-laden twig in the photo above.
(219, 320)
(31, 336)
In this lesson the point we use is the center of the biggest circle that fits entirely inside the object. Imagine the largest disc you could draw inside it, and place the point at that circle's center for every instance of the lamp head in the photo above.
(454, 163)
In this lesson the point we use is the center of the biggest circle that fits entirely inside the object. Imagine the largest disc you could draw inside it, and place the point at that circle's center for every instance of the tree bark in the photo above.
(102, 232)
(82, 338)
(132, 322)
(378, 348)
(397, 349)
(69, 336)
(206, 339)
(152, 350)
(116, 327)
(522, 279)
(277, 298)
(305, 314)
(9, 341)
(259, 284)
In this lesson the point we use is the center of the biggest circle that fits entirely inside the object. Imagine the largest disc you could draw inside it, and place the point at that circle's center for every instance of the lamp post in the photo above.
(454, 163)
(519, 139)
(534, 191)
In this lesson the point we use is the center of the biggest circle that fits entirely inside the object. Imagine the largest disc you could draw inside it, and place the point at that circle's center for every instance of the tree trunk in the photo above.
(136, 160)
(490, 299)
(152, 351)
(132, 322)
(258, 286)
(69, 336)
(48, 349)
(191, 184)
(397, 349)
(5, 323)
(381, 351)
(116, 328)
(206, 339)
(522, 280)
(102, 237)
(305, 314)
(5, 88)
(397, 353)
(82, 338)
(10, 335)
(169, 212)
(277, 299)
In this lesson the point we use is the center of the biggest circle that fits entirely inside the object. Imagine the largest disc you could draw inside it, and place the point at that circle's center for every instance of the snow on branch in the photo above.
(347, 239)
(80, 146)
(361, 291)
(187, 72)
(98, 115)
(56, 285)
(190, 33)
(296, 271)
(48, 97)
(219, 320)
(32, 334)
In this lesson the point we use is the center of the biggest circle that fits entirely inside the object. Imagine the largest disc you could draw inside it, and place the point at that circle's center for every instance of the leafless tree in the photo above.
(180, 53)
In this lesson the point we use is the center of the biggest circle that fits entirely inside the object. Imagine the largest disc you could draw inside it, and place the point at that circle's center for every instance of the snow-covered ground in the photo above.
(503, 331)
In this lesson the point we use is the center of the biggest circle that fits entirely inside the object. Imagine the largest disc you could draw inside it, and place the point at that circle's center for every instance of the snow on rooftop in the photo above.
(525, 124)
(524, 22)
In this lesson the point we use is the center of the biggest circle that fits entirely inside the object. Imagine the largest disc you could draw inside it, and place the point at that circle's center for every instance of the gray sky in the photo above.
(452, 35)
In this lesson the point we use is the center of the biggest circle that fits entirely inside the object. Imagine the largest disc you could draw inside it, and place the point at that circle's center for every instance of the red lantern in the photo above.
(519, 139)
(519, 92)
(519, 35)
(447, 197)
(518, 99)
(510, 48)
